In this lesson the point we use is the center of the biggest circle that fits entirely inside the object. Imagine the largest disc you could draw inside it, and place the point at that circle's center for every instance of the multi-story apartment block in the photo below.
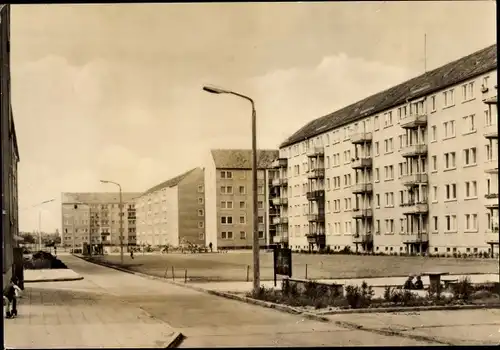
(228, 197)
(173, 212)
(95, 218)
(10, 152)
(278, 203)
(402, 170)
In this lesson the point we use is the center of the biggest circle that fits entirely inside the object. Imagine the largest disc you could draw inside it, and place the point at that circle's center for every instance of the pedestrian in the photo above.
(419, 285)
(409, 283)
(210, 246)
(12, 292)
(132, 253)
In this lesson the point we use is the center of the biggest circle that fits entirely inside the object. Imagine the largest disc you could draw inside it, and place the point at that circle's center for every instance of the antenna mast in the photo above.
(425, 52)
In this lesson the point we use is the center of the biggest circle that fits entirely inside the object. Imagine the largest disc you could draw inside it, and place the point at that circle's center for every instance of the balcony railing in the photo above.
(280, 201)
(491, 200)
(363, 187)
(414, 150)
(282, 229)
(316, 217)
(275, 220)
(315, 195)
(280, 163)
(318, 173)
(362, 213)
(316, 236)
(362, 238)
(276, 182)
(360, 163)
(413, 121)
(491, 131)
(422, 237)
(361, 137)
(414, 179)
(316, 152)
(415, 208)
(491, 166)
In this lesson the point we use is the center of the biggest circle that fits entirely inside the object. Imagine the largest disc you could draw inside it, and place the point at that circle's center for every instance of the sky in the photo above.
(114, 91)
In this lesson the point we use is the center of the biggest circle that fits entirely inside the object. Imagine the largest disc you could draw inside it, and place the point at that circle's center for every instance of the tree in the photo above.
(28, 238)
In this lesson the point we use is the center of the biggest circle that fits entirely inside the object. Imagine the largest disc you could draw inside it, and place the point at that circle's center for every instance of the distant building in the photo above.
(412, 169)
(228, 196)
(173, 212)
(95, 217)
(10, 151)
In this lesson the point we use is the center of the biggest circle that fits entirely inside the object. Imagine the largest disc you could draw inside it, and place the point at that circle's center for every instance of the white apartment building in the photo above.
(410, 169)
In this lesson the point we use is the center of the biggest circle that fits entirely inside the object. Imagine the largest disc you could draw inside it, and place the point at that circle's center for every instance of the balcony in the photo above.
(318, 173)
(413, 121)
(282, 229)
(362, 213)
(315, 195)
(414, 179)
(316, 152)
(361, 188)
(283, 181)
(275, 220)
(362, 238)
(319, 217)
(361, 137)
(491, 166)
(316, 237)
(415, 208)
(280, 239)
(491, 100)
(280, 201)
(491, 200)
(280, 163)
(276, 182)
(361, 163)
(491, 131)
(416, 238)
(414, 150)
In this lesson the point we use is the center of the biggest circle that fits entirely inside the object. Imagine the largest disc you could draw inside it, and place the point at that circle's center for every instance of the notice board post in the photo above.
(282, 262)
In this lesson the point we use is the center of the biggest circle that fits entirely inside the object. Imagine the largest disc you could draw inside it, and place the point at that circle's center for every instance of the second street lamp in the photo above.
(255, 243)
(121, 215)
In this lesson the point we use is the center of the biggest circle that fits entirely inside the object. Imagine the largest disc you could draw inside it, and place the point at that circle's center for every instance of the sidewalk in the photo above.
(81, 315)
(50, 275)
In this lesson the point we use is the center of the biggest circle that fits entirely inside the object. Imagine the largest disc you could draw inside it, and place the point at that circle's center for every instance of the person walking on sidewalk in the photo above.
(12, 292)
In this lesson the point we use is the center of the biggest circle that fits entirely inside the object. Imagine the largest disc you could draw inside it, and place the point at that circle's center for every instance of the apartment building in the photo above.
(228, 198)
(10, 151)
(278, 202)
(410, 169)
(173, 212)
(95, 217)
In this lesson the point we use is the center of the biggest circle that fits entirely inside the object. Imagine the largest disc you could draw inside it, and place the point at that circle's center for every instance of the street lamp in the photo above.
(255, 245)
(121, 216)
(40, 220)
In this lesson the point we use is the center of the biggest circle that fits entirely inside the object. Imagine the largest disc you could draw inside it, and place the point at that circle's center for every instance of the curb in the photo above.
(291, 310)
(176, 341)
(79, 278)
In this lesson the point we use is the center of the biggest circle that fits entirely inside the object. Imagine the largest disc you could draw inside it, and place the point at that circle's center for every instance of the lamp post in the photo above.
(40, 221)
(255, 245)
(121, 216)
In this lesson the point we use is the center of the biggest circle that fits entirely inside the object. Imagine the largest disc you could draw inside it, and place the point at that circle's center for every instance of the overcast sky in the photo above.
(114, 91)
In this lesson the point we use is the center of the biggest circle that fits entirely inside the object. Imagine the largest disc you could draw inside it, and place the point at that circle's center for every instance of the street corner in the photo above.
(50, 275)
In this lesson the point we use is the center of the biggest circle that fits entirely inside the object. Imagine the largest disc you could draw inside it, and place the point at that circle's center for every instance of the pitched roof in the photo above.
(169, 183)
(440, 78)
(97, 197)
(242, 158)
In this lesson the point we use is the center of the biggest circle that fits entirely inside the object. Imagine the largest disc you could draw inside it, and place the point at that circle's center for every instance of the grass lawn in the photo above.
(233, 266)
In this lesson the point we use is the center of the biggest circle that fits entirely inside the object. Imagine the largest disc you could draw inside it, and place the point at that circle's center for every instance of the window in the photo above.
(201, 224)
(200, 189)
(226, 174)
(376, 123)
(488, 120)
(377, 200)
(377, 174)
(471, 222)
(200, 200)
(261, 219)
(226, 205)
(449, 98)
(260, 189)
(469, 125)
(261, 234)
(389, 226)
(434, 133)
(451, 191)
(468, 91)
(433, 103)
(387, 119)
(201, 212)
(226, 189)
(470, 189)
(434, 224)
(243, 204)
(243, 235)
(434, 163)
(260, 204)
(377, 150)
(449, 160)
(470, 156)
(243, 220)
(377, 227)
(242, 190)
(449, 129)
(451, 223)
(226, 220)
(201, 236)
(227, 235)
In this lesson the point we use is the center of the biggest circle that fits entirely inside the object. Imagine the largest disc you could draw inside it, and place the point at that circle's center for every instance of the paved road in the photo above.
(211, 321)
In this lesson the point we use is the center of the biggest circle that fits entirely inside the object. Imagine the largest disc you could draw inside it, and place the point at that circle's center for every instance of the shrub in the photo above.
(463, 289)
(400, 296)
(359, 297)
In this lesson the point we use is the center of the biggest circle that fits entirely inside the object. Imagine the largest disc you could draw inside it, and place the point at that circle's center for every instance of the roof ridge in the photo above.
(172, 182)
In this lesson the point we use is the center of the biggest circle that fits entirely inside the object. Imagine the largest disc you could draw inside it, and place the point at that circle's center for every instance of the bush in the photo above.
(400, 297)
(359, 297)
(463, 289)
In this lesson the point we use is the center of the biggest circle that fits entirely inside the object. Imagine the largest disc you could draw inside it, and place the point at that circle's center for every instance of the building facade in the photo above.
(10, 152)
(228, 198)
(402, 171)
(95, 217)
(173, 212)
